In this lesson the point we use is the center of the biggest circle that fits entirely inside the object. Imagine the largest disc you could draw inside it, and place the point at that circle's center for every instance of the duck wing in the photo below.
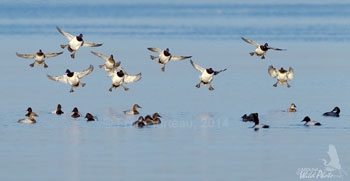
(88, 44)
(197, 67)
(62, 78)
(272, 71)
(132, 78)
(217, 72)
(100, 55)
(49, 55)
(279, 49)
(290, 73)
(179, 57)
(67, 35)
(85, 72)
(155, 50)
(26, 55)
(251, 42)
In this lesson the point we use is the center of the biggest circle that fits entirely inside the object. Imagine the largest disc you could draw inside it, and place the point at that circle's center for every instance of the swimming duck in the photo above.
(155, 118)
(39, 57)
(29, 110)
(246, 118)
(140, 122)
(165, 56)
(260, 50)
(75, 42)
(109, 62)
(58, 111)
(72, 78)
(134, 110)
(120, 77)
(292, 108)
(148, 120)
(76, 113)
(309, 122)
(31, 119)
(335, 112)
(89, 117)
(207, 75)
(256, 121)
(282, 75)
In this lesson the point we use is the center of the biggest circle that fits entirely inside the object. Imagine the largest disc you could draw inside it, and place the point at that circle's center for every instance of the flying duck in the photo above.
(75, 42)
(134, 110)
(165, 56)
(109, 62)
(72, 78)
(282, 75)
(256, 123)
(246, 118)
(260, 49)
(89, 117)
(58, 111)
(207, 75)
(31, 119)
(292, 108)
(39, 57)
(308, 122)
(335, 112)
(120, 77)
(75, 113)
(30, 111)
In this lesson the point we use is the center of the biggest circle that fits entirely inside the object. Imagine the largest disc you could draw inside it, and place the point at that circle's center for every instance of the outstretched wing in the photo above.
(179, 57)
(62, 78)
(199, 68)
(217, 72)
(85, 72)
(251, 42)
(49, 55)
(272, 71)
(67, 35)
(279, 49)
(290, 73)
(88, 44)
(155, 50)
(100, 55)
(26, 55)
(132, 78)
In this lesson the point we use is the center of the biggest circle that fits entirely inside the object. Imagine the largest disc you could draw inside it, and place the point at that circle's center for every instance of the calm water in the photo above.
(201, 136)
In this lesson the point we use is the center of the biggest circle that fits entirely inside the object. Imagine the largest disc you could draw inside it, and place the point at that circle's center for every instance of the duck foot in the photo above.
(83, 84)
(45, 66)
(275, 85)
(163, 68)
(198, 85)
(31, 65)
(211, 88)
(251, 53)
(263, 57)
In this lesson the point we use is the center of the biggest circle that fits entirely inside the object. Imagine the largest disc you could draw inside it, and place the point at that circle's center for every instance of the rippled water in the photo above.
(201, 136)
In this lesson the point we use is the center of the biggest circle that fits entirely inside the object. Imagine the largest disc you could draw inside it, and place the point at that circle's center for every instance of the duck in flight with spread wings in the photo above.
(260, 50)
(282, 75)
(165, 56)
(72, 78)
(39, 57)
(75, 42)
(120, 77)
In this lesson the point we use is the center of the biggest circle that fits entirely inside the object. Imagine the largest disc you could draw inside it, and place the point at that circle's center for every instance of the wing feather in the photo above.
(85, 72)
(49, 55)
(272, 71)
(155, 50)
(251, 42)
(290, 74)
(197, 67)
(179, 57)
(132, 78)
(26, 55)
(100, 55)
(88, 44)
(279, 49)
(67, 35)
(62, 78)
(217, 72)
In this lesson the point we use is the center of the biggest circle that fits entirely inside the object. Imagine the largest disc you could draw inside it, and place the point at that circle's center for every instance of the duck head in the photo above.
(141, 119)
(266, 45)
(89, 117)
(306, 119)
(336, 109)
(120, 73)
(75, 110)
(80, 37)
(210, 71)
(148, 117)
(136, 106)
(29, 109)
(292, 106)
(156, 115)
(166, 52)
(69, 73)
(59, 106)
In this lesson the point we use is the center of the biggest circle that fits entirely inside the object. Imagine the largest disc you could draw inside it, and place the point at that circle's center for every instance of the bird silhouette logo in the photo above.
(334, 163)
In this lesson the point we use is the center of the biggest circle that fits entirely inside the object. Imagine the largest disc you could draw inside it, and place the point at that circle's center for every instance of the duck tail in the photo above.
(317, 124)
(266, 126)
(63, 46)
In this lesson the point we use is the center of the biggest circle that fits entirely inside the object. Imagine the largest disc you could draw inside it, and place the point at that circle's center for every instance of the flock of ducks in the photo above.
(119, 76)
(254, 117)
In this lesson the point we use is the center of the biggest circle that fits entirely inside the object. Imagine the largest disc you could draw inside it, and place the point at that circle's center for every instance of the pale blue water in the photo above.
(201, 136)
